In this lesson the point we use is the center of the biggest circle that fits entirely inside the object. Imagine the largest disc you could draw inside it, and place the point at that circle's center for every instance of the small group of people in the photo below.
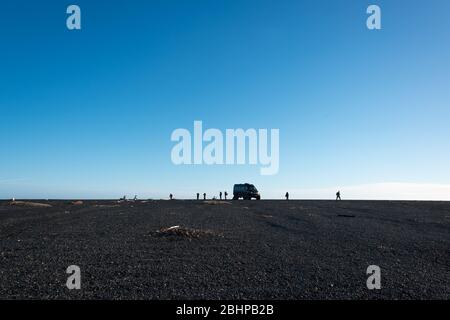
(338, 195)
(198, 196)
(124, 198)
(220, 195)
(225, 194)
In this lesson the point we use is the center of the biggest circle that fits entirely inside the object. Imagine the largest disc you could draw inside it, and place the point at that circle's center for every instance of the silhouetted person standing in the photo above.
(204, 196)
(287, 195)
(171, 196)
(226, 193)
(220, 195)
(198, 196)
(338, 195)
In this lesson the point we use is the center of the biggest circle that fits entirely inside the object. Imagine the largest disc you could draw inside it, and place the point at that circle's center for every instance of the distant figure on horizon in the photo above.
(226, 194)
(171, 196)
(338, 195)
(198, 196)
(220, 194)
(204, 196)
(287, 195)
(135, 198)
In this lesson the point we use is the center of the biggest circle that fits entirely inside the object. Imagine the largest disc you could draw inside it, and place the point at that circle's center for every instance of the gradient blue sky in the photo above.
(89, 114)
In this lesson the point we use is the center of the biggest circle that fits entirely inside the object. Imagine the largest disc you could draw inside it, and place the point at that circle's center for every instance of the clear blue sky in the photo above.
(89, 113)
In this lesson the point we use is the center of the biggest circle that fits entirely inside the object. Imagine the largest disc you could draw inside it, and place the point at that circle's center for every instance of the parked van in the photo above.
(245, 191)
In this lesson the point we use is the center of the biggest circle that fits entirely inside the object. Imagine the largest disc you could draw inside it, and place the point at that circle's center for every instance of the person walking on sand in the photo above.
(338, 195)
(220, 195)
(287, 195)
(204, 196)
(225, 193)
(198, 196)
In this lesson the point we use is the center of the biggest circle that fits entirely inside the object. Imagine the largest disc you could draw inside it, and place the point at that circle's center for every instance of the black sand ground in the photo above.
(251, 250)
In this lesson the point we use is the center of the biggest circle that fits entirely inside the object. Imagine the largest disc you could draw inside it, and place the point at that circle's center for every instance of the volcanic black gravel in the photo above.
(241, 249)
